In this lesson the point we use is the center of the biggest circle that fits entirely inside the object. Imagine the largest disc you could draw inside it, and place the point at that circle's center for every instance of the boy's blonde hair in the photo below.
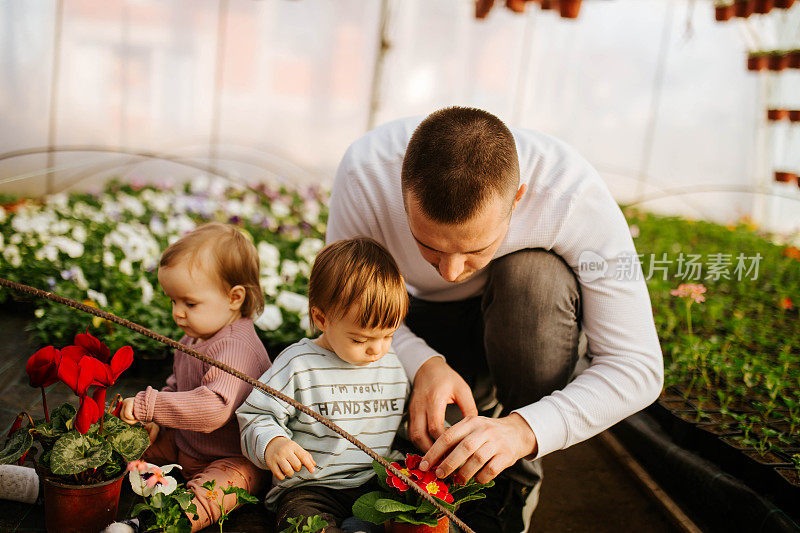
(233, 260)
(358, 272)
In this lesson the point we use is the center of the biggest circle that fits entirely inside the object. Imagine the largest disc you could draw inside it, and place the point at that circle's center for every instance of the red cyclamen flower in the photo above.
(42, 367)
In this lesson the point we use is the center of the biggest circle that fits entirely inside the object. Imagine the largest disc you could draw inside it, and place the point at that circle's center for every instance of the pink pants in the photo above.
(236, 471)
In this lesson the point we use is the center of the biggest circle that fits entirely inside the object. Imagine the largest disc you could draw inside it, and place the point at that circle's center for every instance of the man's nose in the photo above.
(451, 266)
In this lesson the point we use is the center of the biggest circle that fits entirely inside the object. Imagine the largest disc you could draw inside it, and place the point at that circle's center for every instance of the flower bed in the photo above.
(730, 339)
(103, 248)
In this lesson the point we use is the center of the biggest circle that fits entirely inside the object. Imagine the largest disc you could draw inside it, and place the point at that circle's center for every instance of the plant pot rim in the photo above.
(48, 476)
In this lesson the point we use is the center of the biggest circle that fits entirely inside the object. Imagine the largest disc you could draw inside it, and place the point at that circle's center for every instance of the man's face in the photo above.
(458, 251)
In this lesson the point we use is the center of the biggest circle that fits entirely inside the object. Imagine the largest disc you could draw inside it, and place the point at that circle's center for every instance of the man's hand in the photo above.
(435, 386)
(126, 413)
(481, 445)
(284, 457)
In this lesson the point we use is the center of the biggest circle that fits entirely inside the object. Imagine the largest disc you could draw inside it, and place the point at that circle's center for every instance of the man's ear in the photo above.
(519, 195)
(236, 297)
(318, 318)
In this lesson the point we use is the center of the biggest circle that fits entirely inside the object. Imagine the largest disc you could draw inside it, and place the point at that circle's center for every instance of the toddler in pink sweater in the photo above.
(212, 277)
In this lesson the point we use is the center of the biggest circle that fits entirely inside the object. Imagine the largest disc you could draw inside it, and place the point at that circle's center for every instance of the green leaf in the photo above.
(469, 498)
(140, 508)
(16, 446)
(61, 415)
(112, 424)
(184, 498)
(242, 496)
(408, 518)
(159, 500)
(130, 441)
(386, 505)
(75, 453)
(364, 508)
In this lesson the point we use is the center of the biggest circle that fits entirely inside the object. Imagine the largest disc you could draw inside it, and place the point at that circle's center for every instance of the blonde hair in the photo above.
(358, 273)
(234, 260)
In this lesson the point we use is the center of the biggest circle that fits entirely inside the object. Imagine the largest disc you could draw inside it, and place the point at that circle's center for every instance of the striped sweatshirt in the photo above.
(366, 401)
(199, 400)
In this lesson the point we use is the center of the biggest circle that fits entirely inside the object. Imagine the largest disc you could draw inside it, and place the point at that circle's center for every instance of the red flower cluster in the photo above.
(85, 364)
(426, 480)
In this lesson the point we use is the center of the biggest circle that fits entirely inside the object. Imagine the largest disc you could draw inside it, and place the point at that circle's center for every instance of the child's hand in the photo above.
(126, 413)
(152, 431)
(284, 457)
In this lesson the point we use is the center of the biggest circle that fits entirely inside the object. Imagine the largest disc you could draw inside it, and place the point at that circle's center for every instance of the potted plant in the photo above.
(777, 60)
(794, 58)
(763, 6)
(723, 10)
(83, 452)
(757, 61)
(743, 8)
(782, 176)
(166, 502)
(777, 114)
(569, 8)
(403, 510)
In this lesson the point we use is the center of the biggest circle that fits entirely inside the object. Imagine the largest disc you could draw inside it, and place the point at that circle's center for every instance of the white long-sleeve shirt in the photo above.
(567, 209)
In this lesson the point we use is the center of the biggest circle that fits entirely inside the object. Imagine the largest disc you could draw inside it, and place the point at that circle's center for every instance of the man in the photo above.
(512, 249)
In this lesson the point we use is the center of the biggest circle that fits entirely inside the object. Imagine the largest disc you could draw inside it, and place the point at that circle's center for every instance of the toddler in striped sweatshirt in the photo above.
(212, 277)
(357, 299)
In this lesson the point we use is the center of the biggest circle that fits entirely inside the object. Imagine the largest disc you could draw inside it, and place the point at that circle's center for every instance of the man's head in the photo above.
(460, 182)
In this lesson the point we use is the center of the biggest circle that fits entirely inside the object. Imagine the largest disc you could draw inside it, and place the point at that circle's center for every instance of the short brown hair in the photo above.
(456, 160)
(358, 272)
(234, 260)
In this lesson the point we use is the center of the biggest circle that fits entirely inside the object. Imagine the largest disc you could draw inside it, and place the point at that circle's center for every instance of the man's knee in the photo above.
(533, 287)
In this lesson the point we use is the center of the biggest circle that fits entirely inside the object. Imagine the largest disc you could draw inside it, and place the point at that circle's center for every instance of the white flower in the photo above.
(292, 302)
(2, 214)
(1, 238)
(68, 246)
(39, 313)
(126, 267)
(11, 254)
(147, 290)
(131, 204)
(79, 278)
(634, 231)
(15, 239)
(147, 479)
(289, 270)
(108, 259)
(271, 319)
(310, 211)
(270, 284)
(98, 297)
(305, 323)
(48, 252)
(200, 184)
(269, 255)
(79, 234)
(57, 200)
(279, 209)
(309, 248)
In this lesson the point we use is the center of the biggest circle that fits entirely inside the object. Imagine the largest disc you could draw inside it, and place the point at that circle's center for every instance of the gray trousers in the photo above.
(522, 335)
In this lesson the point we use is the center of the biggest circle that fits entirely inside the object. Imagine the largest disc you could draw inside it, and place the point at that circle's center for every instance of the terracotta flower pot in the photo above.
(763, 6)
(756, 62)
(794, 115)
(398, 527)
(784, 4)
(778, 61)
(743, 8)
(784, 177)
(549, 4)
(794, 59)
(80, 508)
(777, 114)
(569, 8)
(723, 13)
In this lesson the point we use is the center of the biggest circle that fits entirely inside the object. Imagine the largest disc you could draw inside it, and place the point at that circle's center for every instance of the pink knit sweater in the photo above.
(200, 400)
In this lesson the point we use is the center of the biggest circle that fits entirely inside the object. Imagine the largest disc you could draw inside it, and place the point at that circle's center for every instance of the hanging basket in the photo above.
(569, 8)
(777, 114)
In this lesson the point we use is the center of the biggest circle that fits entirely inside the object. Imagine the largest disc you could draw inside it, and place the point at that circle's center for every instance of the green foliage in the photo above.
(167, 512)
(744, 349)
(313, 524)
(242, 497)
(110, 243)
(17, 444)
